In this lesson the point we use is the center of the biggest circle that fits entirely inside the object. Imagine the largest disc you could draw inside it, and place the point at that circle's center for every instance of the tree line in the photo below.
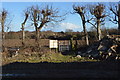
(95, 15)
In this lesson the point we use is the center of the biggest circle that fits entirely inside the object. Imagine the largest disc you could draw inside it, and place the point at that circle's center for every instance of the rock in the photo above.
(102, 48)
(117, 39)
(78, 56)
(108, 47)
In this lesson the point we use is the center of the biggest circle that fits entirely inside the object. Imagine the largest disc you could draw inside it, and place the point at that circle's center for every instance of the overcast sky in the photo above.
(73, 21)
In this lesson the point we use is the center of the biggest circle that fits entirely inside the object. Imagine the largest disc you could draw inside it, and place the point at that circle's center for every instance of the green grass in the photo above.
(49, 57)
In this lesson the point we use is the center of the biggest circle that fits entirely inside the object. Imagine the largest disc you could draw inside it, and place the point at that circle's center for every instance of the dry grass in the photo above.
(28, 42)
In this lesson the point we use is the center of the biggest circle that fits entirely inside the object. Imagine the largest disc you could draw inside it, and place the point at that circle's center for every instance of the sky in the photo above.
(72, 21)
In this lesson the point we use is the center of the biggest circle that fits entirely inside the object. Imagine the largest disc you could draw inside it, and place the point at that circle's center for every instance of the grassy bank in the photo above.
(52, 57)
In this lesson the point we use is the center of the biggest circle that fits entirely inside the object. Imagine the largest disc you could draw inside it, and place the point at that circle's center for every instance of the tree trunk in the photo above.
(37, 34)
(3, 36)
(23, 32)
(98, 30)
(85, 33)
(23, 35)
(37, 37)
(119, 18)
(119, 26)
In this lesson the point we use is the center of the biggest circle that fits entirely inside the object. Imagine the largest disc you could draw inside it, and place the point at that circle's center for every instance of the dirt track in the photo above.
(83, 70)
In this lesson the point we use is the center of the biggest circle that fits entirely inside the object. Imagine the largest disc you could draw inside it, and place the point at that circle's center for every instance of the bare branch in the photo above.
(92, 24)
(115, 12)
(90, 19)
(115, 22)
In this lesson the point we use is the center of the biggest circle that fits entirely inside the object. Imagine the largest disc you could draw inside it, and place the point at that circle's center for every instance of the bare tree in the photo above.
(82, 12)
(98, 11)
(23, 26)
(3, 17)
(115, 9)
(42, 16)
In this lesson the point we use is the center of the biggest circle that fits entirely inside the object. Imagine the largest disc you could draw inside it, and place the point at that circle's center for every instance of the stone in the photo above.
(78, 56)
(108, 47)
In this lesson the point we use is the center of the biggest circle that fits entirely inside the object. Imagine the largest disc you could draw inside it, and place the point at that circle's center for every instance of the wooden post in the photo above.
(56, 50)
